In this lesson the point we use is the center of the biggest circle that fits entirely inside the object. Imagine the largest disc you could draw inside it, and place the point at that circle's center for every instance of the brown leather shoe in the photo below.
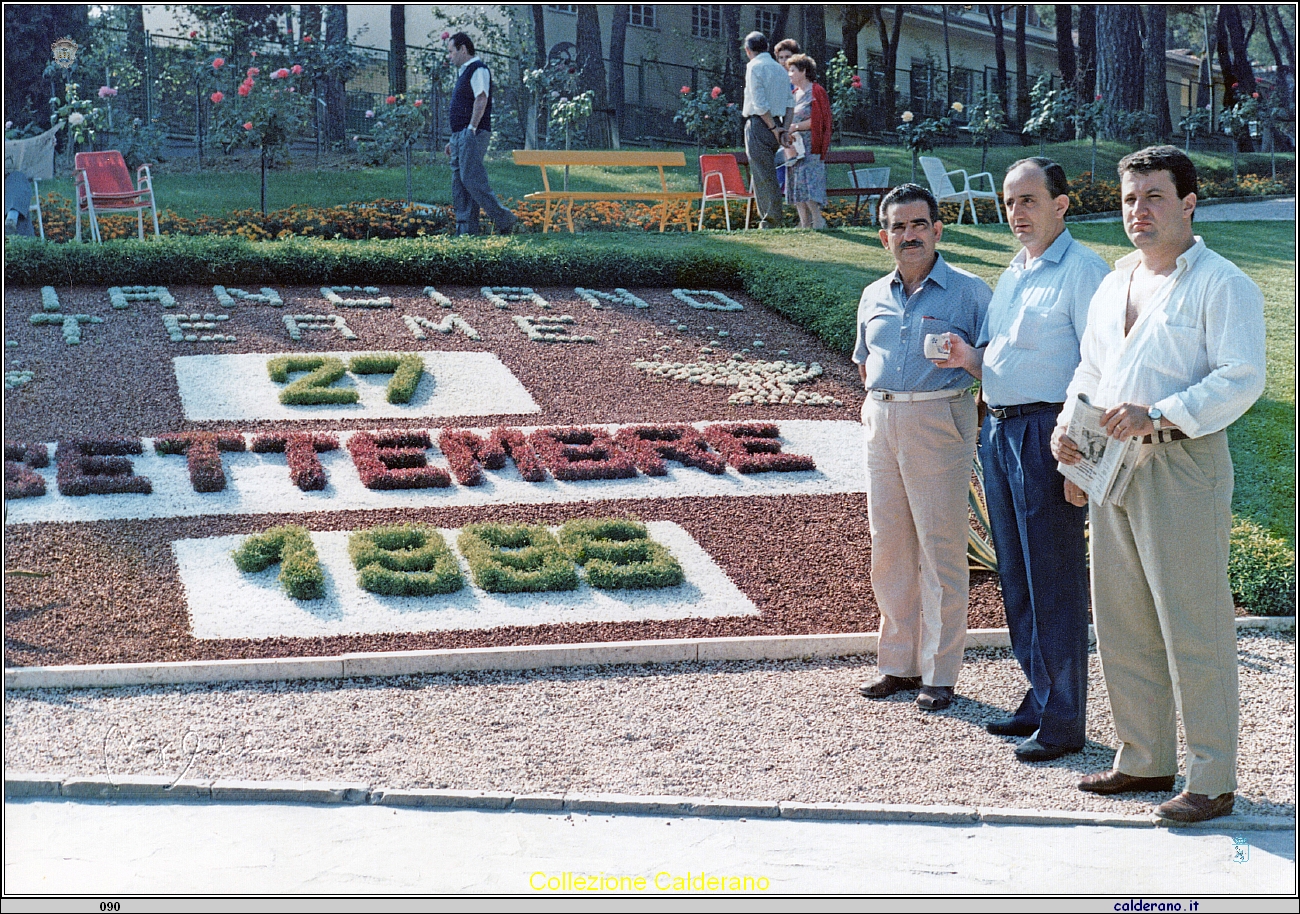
(1196, 807)
(887, 685)
(1107, 782)
(934, 698)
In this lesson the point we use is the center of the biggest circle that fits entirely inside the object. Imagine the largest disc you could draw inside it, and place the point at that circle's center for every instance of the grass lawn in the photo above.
(219, 192)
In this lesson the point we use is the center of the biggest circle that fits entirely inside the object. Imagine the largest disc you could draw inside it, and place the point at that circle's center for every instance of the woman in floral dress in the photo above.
(805, 184)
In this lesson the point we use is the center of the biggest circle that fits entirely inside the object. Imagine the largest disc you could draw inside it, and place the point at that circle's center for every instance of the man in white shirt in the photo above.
(1174, 353)
(471, 130)
(768, 107)
(1026, 354)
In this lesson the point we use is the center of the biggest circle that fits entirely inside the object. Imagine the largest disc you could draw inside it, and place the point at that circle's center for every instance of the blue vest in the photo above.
(462, 100)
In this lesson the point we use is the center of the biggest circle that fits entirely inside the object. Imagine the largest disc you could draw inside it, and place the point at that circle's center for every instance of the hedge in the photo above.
(1262, 571)
(290, 546)
(516, 558)
(619, 554)
(405, 561)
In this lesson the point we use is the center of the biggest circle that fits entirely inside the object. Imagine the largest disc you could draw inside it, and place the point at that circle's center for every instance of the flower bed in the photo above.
(203, 451)
(313, 389)
(406, 371)
(98, 466)
(300, 450)
(404, 561)
(516, 558)
(395, 460)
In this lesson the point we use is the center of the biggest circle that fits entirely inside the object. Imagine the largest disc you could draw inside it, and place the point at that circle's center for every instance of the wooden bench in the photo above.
(852, 158)
(555, 199)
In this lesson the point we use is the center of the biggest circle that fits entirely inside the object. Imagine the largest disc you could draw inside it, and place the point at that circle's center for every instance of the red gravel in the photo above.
(112, 592)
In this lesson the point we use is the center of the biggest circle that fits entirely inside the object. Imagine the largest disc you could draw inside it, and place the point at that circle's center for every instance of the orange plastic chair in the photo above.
(104, 186)
(721, 182)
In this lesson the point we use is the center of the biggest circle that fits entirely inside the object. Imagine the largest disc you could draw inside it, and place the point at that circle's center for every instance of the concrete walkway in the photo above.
(1224, 211)
(110, 848)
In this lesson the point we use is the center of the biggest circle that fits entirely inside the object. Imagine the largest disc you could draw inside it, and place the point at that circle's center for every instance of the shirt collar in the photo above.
(1186, 260)
(462, 67)
(941, 273)
(1054, 253)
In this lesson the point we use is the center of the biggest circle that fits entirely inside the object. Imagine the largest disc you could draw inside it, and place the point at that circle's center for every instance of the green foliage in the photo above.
(1261, 570)
(919, 136)
(291, 547)
(406, 369)
(1049, 109)
(506, 558)
(397, 124)
(313, 389)
(844, 87)
(265, 111)
(404, 561)
(139, 143)
(619, 555)
(80, 115)
(709, 118)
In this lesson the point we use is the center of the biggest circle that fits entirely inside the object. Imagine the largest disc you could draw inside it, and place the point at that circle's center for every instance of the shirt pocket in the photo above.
(1175, 351)
(1028, 327)
(934, 325)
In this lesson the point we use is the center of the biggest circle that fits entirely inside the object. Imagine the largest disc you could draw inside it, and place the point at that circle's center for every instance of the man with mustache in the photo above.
(1174, 353)
(1027, 352)
(919, 430)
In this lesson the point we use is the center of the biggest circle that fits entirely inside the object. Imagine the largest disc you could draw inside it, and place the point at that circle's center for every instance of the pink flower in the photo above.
(686, 90)
(1252, 95)
(253, 55)
(306, 39)
(370, 112)
(282, 73)
(296, 70)
(194, 34)
(218, 63)
(717, 90)
(292, 89)
(109, 92)
(419, 102)
(446, 35)
(1098, 97)
(244, 89)
(391, 100)
(217, 97)
(253, 71)
(248, 125)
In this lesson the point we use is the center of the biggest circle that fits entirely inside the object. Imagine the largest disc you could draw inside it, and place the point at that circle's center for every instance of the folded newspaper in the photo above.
(1107, 464)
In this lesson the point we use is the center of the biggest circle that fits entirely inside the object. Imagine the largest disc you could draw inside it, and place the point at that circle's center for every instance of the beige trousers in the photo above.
(1166, 628)
(918, 459)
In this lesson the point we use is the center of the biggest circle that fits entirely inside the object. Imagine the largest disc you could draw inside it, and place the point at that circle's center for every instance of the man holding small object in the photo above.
(1174, 354)
(471, 131)
(768, 106)
(919, 431)
(1026, 354)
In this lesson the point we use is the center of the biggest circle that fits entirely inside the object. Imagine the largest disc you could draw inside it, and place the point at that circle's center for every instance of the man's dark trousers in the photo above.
(1042, 564)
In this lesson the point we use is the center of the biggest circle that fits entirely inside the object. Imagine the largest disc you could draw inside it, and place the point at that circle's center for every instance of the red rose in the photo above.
(717, 90)
(253, 71)
(244, 89)
(419, 102)
(297, 70)
(281, 73)
(248, 125)
(306, 39)
(391, 100)
(218, 63)
(217, 97)
(194, 34)
(446, 35)
(1254, 95)
(253, 55)
(686, 90)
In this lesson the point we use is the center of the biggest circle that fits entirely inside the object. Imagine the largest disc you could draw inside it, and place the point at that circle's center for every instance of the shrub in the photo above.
(98, 466)
(618, 554)
(395, 460)
(1261, 570)
(575, 454)
(404, 561)
(521, 451)
(517, 558)
(313, 389)
(22, 458)
(406, 370)
(203, 451)
(468, 453)
(299, 449)
(649, 445)
(755, 448)
(291, 547)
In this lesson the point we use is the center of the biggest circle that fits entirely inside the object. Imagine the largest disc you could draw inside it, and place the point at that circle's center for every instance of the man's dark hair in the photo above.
(1162, 158)
(756, 42)
(805, 64)
(909, 193)
(787, 44)
(1057, 184)
(462, 41)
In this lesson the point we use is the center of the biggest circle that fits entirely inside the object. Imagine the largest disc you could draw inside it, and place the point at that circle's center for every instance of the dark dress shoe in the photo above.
(934, 698)
(1009, 726)
(1032, 750)
(1195, 807)
(1108, 782)
(887, 685)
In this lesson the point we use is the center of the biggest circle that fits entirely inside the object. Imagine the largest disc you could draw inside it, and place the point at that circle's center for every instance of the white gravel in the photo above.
(776, 731)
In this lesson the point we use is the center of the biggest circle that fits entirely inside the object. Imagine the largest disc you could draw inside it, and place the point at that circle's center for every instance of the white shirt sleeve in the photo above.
(480, 81)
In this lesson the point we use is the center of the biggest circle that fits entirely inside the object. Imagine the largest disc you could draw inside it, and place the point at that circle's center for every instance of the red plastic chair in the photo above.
(721, 182)
(104, 186)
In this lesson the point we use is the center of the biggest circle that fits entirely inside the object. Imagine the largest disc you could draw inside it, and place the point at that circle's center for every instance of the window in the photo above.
(564, 8)
(963, 88)
(765, 22)
(706, 21)
(642, 14)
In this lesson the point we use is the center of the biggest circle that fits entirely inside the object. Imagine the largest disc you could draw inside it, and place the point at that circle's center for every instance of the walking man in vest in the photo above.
(471, 129)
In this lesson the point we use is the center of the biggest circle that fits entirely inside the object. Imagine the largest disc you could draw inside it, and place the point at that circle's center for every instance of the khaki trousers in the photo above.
(1166, 628)
(918, 459)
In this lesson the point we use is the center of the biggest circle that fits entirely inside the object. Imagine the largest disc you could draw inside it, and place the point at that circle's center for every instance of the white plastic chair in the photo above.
(868, 177)
(942, 187)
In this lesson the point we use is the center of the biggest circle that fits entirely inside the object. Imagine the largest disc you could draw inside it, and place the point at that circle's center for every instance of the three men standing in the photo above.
(1026, 354)
(768, 108)
(1174, 352)
(919, 423)
(471, 131)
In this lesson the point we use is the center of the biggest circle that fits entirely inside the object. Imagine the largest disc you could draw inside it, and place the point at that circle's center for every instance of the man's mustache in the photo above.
(912, 244)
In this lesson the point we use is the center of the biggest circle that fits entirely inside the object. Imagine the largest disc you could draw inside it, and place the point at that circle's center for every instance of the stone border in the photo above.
(29, 785)
(526, 657)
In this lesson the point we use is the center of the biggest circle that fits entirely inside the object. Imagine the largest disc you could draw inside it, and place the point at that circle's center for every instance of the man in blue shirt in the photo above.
(471, 130)
(1026, 354)
(919, 424)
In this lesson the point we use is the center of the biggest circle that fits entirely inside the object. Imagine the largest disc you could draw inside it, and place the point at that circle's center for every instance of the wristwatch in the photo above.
(1157, 419)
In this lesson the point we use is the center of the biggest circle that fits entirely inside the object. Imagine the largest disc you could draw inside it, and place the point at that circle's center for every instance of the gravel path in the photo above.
(774, 731)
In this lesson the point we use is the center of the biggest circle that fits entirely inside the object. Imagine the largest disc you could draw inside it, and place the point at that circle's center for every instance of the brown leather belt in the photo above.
(1021, 409)
(1171, 434)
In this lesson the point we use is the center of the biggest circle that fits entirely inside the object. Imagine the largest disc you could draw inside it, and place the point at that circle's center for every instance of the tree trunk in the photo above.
(539, 35)
(336, 99)
(1242, 80)
(617, 51)
(889, 47)
(1153, 53)
(591, 61)
(1065, 43)
(1119, 65)
(855, 16)
(733, 58)
(309, 19)
(1284, 93)
(1086, 81)
(814, 33)
(994, 14)
(947, 59)
(782, 24)
(397, 49)
(1022, 69)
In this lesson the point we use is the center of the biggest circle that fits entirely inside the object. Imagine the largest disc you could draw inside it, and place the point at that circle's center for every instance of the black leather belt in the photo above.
(1169, 434)
(1022, 409)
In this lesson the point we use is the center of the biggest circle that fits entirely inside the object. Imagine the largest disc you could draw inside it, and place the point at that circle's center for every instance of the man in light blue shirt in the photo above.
(768, 108)
(1026, 354)
(919, 430)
